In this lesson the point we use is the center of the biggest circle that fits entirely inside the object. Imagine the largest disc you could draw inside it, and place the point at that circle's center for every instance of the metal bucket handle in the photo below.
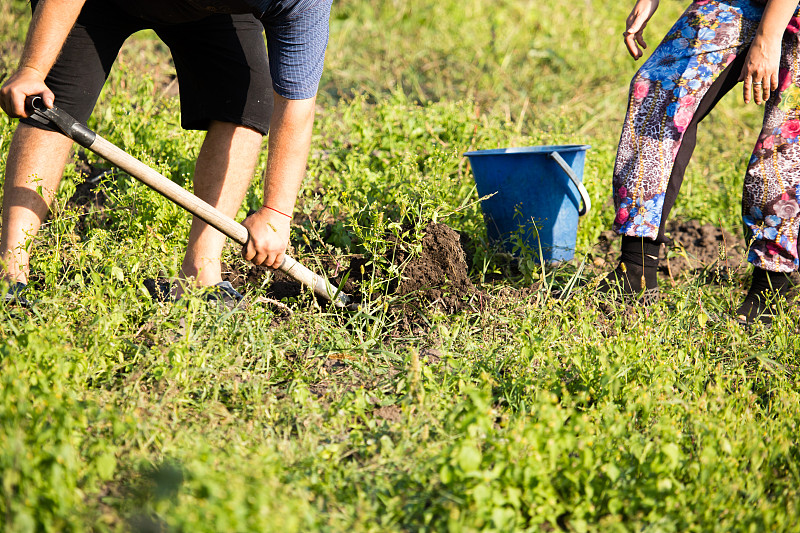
(587, 202)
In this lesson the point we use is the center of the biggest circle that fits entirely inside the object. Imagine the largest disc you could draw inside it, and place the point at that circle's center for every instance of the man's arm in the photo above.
(52, 22)
(760, 72)
(289, 142)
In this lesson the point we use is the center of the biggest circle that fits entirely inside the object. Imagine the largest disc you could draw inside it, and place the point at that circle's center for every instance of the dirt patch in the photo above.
(702, 246)
(244, 277)
(695, 248)
(275, 283)
(439, 275)
(390, 413)
(430, 356)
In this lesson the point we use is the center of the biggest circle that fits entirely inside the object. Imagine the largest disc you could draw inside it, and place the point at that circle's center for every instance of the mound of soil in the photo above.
(438, 277)
(440, 274)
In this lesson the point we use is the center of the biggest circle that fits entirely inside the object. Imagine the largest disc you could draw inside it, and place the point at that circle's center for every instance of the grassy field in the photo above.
(520, 413)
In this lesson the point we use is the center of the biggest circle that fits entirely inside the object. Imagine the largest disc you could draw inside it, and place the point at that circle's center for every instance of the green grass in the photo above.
(523, 413)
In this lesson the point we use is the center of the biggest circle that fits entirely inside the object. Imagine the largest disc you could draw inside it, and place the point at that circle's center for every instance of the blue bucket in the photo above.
(537, 192)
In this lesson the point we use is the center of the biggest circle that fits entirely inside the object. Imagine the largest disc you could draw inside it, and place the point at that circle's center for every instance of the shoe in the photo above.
(224, 293)
(16, 295)
(636, 274)
(766, 288)
(160, 289)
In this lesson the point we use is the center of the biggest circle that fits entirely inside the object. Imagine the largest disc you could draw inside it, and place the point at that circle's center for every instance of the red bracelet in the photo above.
(280, 212)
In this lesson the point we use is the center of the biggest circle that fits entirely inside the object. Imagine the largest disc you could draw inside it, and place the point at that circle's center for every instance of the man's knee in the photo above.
(29, 140)
(230, 136)
(36, 155)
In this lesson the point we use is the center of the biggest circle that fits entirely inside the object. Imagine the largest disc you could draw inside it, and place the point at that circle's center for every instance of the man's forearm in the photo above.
(289, 142)
(52, 22)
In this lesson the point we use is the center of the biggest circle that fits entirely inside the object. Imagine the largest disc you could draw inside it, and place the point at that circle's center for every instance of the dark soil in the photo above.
(244, 277)
(699, 247)
(439, 276)
(277, 285)
(695, 248)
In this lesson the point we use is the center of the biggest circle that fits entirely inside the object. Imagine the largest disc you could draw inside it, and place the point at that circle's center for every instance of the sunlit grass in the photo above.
(520, 413)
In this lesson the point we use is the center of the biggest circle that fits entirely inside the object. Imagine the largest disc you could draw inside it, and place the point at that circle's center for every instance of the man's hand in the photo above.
(22, 84)
(269, 236)
(635, 25)
(51, 23)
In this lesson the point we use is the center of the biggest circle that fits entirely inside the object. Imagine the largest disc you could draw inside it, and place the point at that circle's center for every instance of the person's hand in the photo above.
(269, 236)
(760, 71)
(22, 84)
(635, 25)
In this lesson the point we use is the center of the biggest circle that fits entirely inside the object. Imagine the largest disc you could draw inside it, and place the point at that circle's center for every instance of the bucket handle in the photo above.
(587, 202)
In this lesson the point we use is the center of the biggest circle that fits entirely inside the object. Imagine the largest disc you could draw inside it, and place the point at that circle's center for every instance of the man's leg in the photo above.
(36, 161)
(225, 87)
(223, 172)
(38, 154)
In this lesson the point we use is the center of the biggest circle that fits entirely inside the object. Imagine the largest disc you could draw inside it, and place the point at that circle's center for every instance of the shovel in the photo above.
(174, 192)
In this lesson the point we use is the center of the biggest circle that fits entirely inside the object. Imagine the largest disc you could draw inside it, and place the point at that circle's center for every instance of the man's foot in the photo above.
(766, 289)
(162, 290)
(224, 293)
(16, 295)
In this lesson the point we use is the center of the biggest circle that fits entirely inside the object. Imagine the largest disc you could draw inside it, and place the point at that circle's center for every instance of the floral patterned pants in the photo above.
(699, 61)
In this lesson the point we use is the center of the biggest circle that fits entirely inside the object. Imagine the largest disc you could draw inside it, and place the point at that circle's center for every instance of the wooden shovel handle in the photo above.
(170, 190)
(210, 215)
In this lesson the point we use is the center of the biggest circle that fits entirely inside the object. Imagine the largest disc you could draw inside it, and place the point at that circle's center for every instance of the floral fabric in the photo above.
(664, 97)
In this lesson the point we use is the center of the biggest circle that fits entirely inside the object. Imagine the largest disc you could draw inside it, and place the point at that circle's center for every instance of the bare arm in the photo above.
(763, 59)
(289, 142)
(52, 21)
(635, 25)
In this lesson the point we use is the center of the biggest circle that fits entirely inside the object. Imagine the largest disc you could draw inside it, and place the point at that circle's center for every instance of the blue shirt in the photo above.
(297, 37)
